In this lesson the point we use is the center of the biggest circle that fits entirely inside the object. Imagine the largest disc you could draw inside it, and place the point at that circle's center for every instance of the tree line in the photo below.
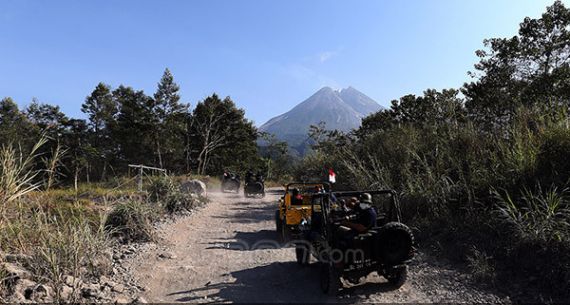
(125, 126)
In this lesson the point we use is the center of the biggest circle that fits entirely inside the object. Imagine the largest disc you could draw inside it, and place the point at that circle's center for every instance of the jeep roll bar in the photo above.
(394, 210)
(371, 192)
(326, 184)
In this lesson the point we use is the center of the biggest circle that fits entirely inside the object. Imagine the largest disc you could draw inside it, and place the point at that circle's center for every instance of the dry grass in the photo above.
(16, 176)
(60, 237)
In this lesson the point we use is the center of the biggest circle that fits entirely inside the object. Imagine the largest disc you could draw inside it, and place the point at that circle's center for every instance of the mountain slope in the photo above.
(342, 110)
(359, 101)
(325, 105)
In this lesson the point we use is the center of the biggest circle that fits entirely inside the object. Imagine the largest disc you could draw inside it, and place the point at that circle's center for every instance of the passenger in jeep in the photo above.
(296, 197)
(363, 216)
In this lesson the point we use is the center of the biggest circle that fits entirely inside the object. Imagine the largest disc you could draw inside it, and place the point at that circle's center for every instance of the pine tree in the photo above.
(134, 128)
(169, 121)
(14, 126)
(166, 97)
(101, 109)
(48, 119)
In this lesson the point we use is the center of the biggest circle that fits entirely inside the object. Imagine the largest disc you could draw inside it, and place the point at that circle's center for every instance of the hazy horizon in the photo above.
(267, 56)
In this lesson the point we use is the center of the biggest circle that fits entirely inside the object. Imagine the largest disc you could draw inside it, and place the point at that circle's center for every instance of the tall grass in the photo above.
(59, 238)
(17, 177)
(52, 164)
(542, 215)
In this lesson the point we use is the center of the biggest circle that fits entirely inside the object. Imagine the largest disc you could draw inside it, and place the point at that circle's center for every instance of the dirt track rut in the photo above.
(224, 253)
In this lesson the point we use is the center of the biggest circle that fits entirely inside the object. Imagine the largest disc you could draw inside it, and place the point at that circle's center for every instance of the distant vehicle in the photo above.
(294, 206)
(230, 182)
(254, 186)
(386, 249)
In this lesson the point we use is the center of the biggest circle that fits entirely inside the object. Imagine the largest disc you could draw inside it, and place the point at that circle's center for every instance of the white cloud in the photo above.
(325, 56)
(328, 54)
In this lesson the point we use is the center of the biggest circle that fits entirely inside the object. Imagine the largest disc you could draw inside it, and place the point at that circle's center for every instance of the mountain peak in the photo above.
(349, 89)
(325, 89)
(339, 109)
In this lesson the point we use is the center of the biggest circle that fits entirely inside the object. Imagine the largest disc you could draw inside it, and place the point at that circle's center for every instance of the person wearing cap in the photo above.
(365, 215)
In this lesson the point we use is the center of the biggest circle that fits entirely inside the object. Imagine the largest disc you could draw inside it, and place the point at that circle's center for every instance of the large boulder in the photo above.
(194, 186)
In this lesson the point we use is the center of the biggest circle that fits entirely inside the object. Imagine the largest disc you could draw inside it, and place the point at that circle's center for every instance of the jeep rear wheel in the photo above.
(302, 254)
(278, 227)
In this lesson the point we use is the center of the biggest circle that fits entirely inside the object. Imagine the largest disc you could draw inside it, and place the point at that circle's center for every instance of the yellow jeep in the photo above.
(294, 206)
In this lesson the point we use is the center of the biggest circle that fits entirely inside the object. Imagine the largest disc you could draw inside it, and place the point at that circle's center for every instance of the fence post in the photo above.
(140, 179)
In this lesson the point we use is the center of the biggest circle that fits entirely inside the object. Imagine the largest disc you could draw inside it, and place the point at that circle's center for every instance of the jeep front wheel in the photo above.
(397, 276)
(330, 279)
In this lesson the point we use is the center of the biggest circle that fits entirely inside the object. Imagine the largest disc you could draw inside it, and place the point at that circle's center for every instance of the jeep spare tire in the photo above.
(394, 243)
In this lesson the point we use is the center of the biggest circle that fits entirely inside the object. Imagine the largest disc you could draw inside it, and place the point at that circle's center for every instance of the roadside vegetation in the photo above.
(483, 170)
(51, 234)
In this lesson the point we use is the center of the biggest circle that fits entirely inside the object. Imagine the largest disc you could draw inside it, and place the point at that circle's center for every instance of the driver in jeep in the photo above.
(361, 218)
(363, 214)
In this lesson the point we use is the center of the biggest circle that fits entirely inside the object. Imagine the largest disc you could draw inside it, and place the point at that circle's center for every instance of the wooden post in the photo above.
(140, 179)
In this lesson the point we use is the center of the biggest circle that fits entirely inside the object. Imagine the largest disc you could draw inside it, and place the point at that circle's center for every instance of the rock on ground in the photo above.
(194, 186)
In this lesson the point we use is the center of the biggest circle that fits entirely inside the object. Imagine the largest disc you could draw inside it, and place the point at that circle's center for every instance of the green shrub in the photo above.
(166, 191)
(132, 221)
(177, 202)
(160, 188)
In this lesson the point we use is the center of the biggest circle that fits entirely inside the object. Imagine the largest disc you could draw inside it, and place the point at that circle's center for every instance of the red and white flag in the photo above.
(332, 176)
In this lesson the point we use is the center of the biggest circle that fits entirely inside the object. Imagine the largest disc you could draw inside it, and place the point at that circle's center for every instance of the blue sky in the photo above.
(267, 55)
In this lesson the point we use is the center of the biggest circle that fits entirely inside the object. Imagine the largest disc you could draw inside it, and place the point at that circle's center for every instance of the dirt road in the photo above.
(219, 254)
